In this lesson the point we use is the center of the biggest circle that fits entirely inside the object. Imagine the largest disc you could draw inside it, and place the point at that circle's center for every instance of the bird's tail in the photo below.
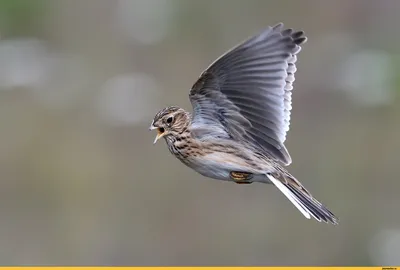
(301, 198)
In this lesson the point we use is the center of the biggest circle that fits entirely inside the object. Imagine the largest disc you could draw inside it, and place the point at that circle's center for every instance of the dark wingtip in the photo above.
(300, 40)
(297, 34)
(297, 37)
(278, 26)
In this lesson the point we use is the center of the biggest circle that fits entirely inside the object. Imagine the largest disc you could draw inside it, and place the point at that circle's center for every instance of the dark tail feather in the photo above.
(317, 210)
(303, 200)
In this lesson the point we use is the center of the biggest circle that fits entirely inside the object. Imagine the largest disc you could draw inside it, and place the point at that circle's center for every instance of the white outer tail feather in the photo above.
(292, 197)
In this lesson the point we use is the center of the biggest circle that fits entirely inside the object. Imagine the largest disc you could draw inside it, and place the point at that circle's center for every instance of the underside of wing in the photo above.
(246, 93)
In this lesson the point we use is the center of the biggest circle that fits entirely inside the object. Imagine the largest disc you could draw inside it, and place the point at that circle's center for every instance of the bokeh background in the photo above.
(82, 184)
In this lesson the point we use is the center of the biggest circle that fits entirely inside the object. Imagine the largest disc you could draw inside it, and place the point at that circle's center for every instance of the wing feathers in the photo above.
(246, 93)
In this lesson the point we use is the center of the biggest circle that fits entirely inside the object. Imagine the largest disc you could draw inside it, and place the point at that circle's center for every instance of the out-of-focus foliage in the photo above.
(19, 17)
(82, 183)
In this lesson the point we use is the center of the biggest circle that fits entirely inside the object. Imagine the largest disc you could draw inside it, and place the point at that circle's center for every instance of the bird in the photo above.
(241, 115)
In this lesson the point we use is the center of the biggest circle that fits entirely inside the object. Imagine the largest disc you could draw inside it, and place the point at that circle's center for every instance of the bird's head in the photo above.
(170, 121)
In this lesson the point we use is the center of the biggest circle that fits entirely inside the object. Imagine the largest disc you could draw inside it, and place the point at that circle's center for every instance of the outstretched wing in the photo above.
(245, 94)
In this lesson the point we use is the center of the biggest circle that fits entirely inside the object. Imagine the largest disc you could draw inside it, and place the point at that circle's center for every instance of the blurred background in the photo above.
(81, 182)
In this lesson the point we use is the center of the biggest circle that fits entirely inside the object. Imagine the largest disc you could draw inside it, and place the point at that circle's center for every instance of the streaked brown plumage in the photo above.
(241, 115)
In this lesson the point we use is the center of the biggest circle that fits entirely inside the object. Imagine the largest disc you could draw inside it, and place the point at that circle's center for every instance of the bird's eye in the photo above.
(169, 120)
(161, 130)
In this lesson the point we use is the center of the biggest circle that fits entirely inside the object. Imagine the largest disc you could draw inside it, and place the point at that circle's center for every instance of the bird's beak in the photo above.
(152, 127)
(159, 134)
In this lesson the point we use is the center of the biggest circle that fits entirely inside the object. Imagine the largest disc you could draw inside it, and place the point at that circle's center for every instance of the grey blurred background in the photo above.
(81, 182)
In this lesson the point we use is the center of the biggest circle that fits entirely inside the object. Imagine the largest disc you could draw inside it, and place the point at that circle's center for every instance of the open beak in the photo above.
(159, 133)
(159, 136)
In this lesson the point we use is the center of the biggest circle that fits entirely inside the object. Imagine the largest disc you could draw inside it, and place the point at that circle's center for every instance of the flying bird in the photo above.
(241, 115)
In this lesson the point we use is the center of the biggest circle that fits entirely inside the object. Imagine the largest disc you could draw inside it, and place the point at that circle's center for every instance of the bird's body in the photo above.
(218, 158)
(241, 115)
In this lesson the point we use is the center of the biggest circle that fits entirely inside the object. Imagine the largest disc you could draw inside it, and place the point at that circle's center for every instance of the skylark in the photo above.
(241, 114)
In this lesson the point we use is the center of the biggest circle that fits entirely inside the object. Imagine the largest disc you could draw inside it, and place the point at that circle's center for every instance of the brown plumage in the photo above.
(241, 115)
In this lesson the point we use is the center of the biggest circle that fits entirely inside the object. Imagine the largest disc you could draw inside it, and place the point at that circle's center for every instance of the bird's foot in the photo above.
(241, 177)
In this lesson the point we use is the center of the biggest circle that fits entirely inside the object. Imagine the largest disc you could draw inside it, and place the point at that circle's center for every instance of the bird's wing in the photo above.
(245, 94)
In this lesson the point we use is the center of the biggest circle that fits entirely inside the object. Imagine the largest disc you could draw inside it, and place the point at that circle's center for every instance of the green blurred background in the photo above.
(81, 182)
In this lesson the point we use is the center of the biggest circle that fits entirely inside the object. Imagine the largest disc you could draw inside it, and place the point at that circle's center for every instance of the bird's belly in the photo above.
(215, 171)
(220, 165)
